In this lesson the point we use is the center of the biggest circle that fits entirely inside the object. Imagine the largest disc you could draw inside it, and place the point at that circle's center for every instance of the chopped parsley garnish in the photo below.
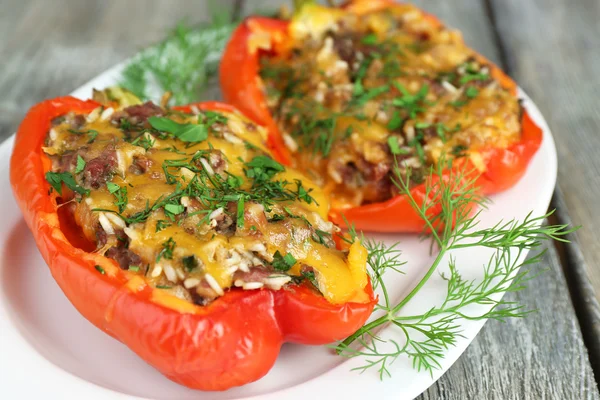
(321, 237)
(120, 193)
(471, 92)
(80, 164)
(162, 224)
(167, 250)
(133, 268)
(283, 263)
(412, 103)
(99, 269)
(395, 148)
(174, 209)
(210, 117)
(395, 122)
(369, 39)
(92, 134)
(459, 150)
(240, 212)
(191, 133)
(311, 277)
(56, 179)
(145, 141)
(474, 77)
(189, 262)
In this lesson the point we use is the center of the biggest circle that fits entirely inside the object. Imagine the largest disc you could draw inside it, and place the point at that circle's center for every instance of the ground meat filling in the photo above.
(99, 170)
(385, 89)
(195, 217)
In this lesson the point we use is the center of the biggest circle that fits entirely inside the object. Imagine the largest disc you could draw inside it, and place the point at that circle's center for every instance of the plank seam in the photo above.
(583, 296)
(581, 291)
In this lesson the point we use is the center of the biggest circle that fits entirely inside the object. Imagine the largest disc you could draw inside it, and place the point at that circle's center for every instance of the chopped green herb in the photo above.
(167, 250)
(162, 224)
(370, 39)
(395, 148)
(240, 212)
(56, 179)
(92, 134)
(189, 262)
(99, 269)
(395, 122)
(474, 77)
(80, 164)
(163, 287)
(120, 194)
(191, 133)
(283, 263)
(412, 103)
(134, 268)
(471, 92)
(277, 217)
(174, 209)
(459, 150)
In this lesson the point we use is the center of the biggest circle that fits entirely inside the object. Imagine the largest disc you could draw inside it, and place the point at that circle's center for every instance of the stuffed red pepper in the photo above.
(358, 96)
(176, 232)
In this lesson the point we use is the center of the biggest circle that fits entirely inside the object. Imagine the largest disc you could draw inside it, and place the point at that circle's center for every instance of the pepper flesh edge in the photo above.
(215, 347)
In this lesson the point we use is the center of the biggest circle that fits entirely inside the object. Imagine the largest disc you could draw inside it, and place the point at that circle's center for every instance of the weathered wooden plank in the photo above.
(581, 289)
(541, 356)
(553, 50)
(51, 47)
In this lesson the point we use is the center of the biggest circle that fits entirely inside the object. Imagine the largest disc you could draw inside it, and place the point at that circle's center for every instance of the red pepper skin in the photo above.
(242, 87)
(233, 341)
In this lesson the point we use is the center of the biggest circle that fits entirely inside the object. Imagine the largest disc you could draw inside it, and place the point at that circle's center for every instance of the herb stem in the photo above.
(422, 282)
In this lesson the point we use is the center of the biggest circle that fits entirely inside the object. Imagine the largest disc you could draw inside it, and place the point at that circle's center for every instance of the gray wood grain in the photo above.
(553, 50)
(51, 47)
(540, 357)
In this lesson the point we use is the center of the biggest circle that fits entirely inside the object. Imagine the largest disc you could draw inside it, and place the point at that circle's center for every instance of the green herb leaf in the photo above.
(112, 187)
(99, 269)
(283, 263)
(240, 212)
(134, 268)
(56, 179)
(190, 133)
(167, 250)
(189, 262)
(120, 194)
(370, 39)
(471, 92)
(395, 147)
(395, 122)
(80, 164)
(174, 209)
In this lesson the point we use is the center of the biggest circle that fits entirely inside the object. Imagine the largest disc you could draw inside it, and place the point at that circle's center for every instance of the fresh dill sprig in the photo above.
(451, 224)
(183, 64)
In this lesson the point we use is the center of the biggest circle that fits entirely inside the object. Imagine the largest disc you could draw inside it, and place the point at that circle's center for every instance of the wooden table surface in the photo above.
(550, 47)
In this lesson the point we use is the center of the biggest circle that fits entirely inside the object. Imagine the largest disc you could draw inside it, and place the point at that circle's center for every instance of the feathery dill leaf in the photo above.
(183, 64)
(427, 337)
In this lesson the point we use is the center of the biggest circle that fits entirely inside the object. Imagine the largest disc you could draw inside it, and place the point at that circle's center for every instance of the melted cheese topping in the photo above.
(194, 219)
(356, 94)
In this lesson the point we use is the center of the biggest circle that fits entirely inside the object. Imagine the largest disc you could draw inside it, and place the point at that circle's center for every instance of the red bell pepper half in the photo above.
(233, 341)
(242, 87)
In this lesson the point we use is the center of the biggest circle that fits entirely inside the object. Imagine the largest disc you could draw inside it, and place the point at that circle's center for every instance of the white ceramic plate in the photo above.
(50, 351)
